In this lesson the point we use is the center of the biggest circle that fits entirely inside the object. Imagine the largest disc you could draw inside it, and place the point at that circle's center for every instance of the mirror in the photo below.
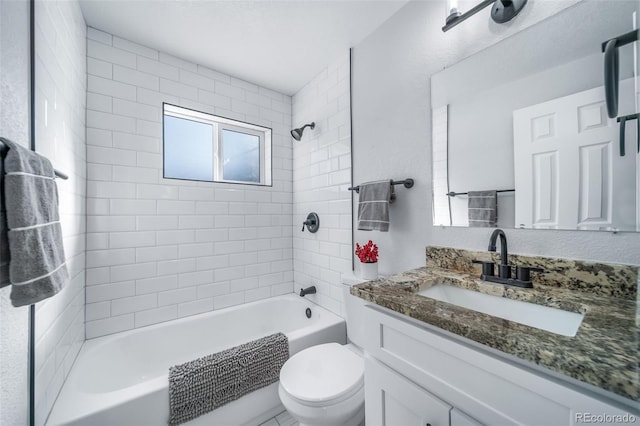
(527, 117)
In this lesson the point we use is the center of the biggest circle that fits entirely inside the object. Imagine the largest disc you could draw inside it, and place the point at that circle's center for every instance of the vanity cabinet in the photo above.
(394, 400)
(458, 418)
(417, 374)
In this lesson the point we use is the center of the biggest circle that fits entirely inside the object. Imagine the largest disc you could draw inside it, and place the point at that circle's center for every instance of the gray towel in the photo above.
(483, 208)
(4, 241)
(37, 268)
(199, 386)
(373, 205)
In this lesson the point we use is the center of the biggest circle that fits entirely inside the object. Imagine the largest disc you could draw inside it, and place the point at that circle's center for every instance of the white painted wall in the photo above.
(321, 176)
(159, 249)
(60, 135)
(14, 125)
(392, 134)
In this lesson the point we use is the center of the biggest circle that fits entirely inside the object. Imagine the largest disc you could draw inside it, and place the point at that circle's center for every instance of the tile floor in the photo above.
(282, 419)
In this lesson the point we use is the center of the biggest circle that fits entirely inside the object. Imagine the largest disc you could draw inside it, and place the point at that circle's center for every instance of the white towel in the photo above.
(37, 268)
(373, 205)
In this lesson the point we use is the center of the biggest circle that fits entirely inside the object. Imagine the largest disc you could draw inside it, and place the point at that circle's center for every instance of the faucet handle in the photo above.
(523, 272)
(487, 267)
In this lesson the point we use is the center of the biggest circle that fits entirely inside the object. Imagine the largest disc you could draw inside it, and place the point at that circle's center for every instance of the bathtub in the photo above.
(122, 379)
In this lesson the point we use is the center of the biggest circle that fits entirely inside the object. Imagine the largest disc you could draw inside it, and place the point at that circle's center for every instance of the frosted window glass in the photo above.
(241, 156)
(188, 149)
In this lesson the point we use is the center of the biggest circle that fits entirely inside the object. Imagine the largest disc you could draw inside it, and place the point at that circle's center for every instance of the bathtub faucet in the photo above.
(308, 290)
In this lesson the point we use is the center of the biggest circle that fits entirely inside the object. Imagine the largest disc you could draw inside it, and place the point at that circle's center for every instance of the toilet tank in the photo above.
(353, 311)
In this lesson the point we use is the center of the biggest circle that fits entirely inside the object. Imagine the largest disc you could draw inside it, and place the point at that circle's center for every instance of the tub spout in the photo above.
(308, 290)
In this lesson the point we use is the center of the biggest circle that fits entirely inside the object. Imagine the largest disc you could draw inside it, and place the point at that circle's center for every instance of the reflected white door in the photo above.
(568, 170)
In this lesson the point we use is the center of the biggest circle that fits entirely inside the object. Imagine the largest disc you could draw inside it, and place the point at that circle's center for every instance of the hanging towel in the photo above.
(483, 208)
(37, 268)
(4, 242)
(373, 205)
(199, 386)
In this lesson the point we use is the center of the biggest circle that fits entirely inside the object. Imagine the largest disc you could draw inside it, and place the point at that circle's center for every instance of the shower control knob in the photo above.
(312, 223)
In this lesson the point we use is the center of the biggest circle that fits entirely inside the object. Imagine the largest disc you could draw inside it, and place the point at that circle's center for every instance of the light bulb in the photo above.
(452, 11)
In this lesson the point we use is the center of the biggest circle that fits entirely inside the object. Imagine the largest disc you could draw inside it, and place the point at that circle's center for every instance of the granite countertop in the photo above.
(604, 353)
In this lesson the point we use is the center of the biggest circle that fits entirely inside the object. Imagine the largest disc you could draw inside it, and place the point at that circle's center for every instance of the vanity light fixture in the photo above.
(501, 12)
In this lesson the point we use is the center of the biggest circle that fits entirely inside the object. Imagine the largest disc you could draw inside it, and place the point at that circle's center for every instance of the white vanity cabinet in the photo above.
(416, 374)
(396, 401)
(458, 418)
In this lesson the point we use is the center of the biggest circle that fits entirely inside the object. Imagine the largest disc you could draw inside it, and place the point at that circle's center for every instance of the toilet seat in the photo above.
(322, 375)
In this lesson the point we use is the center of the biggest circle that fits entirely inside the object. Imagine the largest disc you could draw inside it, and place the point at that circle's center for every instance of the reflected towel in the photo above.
(37, 269)
(483, 208)
(373, 205)
(4, 239)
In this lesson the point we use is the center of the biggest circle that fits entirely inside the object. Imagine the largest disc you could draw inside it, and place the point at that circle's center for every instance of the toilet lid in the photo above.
(322, 373)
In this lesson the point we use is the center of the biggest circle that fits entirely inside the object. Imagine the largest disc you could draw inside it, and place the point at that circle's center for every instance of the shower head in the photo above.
(297, 133)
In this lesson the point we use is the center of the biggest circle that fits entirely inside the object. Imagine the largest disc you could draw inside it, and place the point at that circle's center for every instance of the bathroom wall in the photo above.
(321, 176)
(159, 249)
(60, 33)
(392, 134)
(14, 125)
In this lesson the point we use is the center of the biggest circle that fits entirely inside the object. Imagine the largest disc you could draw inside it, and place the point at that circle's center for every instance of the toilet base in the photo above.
(356, 420)
(337, 414)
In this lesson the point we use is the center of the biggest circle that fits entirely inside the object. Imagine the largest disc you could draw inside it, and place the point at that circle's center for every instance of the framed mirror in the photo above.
(523, 127)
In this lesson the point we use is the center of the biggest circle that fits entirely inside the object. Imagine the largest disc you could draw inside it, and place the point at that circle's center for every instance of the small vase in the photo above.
(369, 271)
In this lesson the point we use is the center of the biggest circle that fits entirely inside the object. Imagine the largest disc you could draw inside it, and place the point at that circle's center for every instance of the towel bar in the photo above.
(408, 183)
(453, 194)
(4, 149)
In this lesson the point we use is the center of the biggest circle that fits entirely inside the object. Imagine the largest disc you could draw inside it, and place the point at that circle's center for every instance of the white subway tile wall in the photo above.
(440, 172)
(159, 249)
(60, 78)
(321, 176)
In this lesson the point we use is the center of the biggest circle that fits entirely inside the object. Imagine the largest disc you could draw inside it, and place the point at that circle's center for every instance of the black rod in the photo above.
(32, 145)
(408, 183)
(623, 127)
(4, 148)
(627, 38)
(353, 228)
(468, 14)
(453, 194)
(623, 122)
(628, 117)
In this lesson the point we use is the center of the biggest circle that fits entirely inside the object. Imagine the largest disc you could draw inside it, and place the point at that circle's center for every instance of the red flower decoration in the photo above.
(367, 253)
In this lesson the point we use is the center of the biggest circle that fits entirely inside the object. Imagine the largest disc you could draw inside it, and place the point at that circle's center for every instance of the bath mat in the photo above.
(202, 385)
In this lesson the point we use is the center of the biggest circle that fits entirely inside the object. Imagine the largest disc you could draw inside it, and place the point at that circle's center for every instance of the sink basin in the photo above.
(543, 317)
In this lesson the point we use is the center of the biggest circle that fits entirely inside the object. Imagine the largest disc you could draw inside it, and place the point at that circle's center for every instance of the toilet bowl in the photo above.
(324, 385)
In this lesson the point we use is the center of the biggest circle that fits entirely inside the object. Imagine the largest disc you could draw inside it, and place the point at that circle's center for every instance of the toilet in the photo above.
(324, 385)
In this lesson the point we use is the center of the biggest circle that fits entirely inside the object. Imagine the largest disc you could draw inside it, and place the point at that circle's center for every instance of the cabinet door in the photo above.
(393, 400)
(458, 418)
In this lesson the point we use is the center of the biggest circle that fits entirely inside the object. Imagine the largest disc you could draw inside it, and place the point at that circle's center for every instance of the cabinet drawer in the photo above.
(393, 400)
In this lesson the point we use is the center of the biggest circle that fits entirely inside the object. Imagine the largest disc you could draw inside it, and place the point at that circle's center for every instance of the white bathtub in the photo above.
(121, 379)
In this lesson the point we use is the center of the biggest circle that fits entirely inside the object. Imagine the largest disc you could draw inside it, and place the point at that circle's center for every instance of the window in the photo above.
(199, 146)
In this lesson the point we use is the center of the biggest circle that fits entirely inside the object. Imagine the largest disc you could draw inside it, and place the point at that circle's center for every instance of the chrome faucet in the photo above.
(504, 268)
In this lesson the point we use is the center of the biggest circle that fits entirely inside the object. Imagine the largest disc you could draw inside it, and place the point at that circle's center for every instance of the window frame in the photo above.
(220, 124)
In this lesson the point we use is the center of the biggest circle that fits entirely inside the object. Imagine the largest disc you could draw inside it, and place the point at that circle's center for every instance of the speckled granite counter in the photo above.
(605, 352)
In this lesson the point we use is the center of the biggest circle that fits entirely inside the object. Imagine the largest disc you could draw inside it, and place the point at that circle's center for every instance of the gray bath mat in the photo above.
(199, 386)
